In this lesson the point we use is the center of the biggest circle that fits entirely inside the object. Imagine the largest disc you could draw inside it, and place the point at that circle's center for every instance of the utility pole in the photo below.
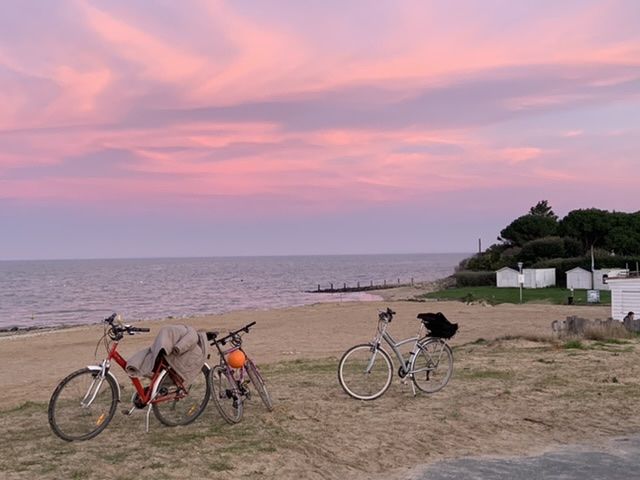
(520, 279)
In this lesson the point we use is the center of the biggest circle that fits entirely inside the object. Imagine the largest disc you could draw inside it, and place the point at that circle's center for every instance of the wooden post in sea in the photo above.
(344, 286)
(384, 283)
(372, 283)
(318, 287)
(398, 281)
(332, 286)
(412, 281)
(358, 284)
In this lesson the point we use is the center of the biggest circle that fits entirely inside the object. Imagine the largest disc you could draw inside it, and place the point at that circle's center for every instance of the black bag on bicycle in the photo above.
(438, 325)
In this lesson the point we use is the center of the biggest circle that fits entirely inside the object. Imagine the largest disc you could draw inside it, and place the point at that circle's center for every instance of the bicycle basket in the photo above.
(438, 325)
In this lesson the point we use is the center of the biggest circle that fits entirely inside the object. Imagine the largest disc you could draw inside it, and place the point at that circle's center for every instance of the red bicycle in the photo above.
(83, 403)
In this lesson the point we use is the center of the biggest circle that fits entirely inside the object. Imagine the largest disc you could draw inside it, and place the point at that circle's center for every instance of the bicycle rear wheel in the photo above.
(365, 372)
(225, 394)
(82, 405)
(258, 382)
(432, 366)
(174, 406)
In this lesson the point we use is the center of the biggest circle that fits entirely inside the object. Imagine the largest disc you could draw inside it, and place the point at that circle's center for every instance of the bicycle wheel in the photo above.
(258, 382)
(365, 372)
(82, 405)
(225, 394)
(173, 406)
(432, 365)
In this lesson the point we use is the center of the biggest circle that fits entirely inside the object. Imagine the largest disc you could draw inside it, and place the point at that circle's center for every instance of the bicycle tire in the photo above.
(225, 395)
(258, 382)
(182, 410)
(362, 377)
(432, 366)
(69, 419)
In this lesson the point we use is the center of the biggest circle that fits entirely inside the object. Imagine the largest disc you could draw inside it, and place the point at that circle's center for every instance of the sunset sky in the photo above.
(193, 128)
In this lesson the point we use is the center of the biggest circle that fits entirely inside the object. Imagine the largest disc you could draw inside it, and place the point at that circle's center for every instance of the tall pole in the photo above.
(593, 267)
(520, 279)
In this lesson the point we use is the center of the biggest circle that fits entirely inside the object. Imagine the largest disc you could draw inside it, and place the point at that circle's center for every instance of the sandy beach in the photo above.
(516, 394)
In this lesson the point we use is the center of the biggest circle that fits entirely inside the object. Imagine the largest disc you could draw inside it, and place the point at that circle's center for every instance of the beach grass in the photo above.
(494, 295)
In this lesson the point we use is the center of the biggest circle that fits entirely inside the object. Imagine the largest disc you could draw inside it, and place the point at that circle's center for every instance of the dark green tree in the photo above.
(624, 237)
(529, 227)
(590, 226)
(543, 209)
(542, 249)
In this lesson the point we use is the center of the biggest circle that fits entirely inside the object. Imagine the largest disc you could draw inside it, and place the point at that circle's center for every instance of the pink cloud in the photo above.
(292, 112)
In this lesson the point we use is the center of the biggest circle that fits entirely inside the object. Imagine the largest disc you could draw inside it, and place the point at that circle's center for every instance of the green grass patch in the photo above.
(26, 407)
(495, 295)
(575, 345)
(302, 366)
(485, 374)
(220, 465)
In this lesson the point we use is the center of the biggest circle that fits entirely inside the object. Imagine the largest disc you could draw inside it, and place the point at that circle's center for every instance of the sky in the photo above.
(211, 128)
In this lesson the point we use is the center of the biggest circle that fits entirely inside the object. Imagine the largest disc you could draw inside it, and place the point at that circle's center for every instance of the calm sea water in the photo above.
(64, 292)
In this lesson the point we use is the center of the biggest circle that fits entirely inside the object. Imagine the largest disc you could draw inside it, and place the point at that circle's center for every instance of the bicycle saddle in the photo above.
(212, 335)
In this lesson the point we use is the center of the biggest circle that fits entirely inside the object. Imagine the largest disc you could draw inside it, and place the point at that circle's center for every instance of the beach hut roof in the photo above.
(578, 269)
(506, 268)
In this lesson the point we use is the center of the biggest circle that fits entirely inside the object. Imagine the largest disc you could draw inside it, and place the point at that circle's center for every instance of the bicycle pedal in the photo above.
(128, 412)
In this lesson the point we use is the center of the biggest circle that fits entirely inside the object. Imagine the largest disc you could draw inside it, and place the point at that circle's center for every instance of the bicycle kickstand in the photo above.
(146, 422)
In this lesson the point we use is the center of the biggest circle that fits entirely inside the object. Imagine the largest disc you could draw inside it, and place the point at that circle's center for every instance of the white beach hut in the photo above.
(601, 277)
(579, 278)
(539, 277)
(506, 277)
(625, 296)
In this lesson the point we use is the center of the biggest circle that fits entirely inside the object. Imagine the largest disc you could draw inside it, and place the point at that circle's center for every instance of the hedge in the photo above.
(468, 278)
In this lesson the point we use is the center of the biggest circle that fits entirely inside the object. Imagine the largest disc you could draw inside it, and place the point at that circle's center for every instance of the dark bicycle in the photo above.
(232, 376)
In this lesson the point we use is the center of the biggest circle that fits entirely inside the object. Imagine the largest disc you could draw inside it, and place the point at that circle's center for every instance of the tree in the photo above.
(591, 226)
(542, 249)
(543, 209)
(529, 227)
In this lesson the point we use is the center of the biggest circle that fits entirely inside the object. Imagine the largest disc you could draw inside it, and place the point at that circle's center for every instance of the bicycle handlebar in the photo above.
(386, 315)
(211, 336)
(118, 329)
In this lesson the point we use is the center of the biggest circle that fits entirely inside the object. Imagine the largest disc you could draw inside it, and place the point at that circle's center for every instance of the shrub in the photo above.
(577, 344)
(469, 278)
(547, 247)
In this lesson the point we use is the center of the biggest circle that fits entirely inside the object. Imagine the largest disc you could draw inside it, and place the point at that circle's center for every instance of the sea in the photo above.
(51, 293)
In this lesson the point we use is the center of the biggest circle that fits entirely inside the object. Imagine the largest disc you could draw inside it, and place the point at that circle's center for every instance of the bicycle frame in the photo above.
(395, 346)
(147, 396)
(405, 365)
(231, 372)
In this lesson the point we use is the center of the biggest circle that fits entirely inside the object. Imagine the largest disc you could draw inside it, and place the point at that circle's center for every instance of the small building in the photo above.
(625, 296)
(579, 278)
(532, 277)
(539, 277)
(506, 277)
(601, 277)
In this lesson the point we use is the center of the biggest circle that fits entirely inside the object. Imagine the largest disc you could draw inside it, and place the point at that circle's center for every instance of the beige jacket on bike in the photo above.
(183, 347)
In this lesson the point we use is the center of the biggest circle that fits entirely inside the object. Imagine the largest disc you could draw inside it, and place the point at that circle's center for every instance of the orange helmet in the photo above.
(236, 359)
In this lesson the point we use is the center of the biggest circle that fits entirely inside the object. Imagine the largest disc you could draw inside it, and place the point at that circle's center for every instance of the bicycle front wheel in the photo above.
(82, 405)
(258, 382)
(365, 372)
(432, 366)
(225, 394)
(175, 406)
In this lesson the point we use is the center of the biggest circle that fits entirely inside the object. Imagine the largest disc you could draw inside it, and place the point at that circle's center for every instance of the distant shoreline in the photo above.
(391, 293)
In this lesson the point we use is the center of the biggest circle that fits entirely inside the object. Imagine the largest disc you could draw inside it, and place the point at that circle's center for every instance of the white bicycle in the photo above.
(365, 371)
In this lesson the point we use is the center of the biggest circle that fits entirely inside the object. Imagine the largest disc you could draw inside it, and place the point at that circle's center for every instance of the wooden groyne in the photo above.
(346, 288)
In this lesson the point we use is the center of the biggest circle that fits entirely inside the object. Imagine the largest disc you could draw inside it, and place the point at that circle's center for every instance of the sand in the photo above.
(514, 395)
